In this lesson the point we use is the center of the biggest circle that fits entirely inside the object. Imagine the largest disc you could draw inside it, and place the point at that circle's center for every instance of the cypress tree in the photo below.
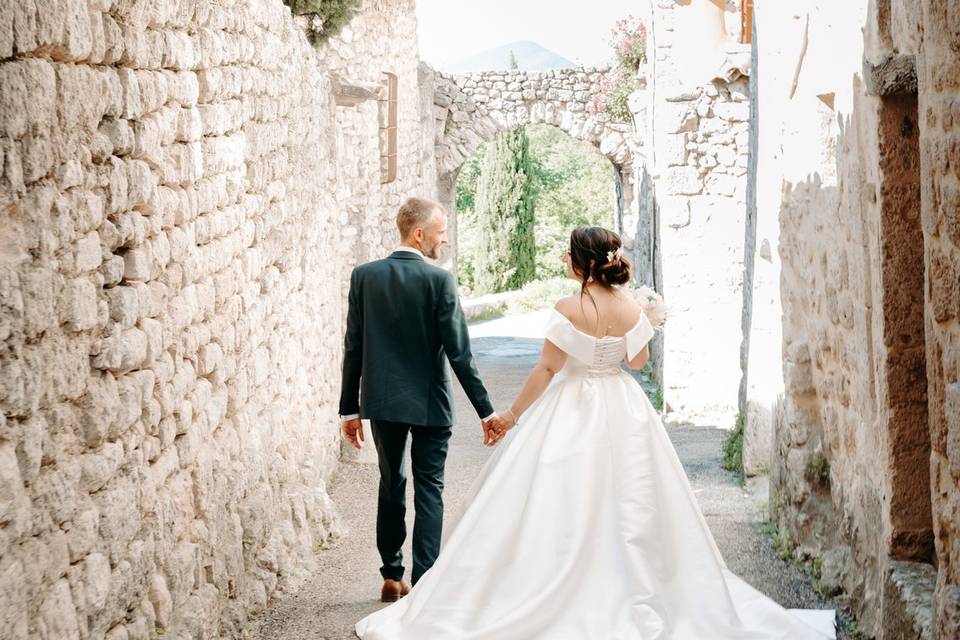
(505, 209)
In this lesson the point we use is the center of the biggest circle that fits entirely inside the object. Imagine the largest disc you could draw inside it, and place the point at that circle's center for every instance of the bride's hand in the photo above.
(501, 424)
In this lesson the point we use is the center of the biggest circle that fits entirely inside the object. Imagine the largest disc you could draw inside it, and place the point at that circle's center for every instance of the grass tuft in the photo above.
(732, 450)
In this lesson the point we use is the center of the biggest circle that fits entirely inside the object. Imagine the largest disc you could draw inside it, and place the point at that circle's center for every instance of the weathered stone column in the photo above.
(938, 72)
(697, 159)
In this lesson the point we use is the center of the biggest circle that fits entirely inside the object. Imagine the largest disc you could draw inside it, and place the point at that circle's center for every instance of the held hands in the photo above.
(353, 431)
(497, 427)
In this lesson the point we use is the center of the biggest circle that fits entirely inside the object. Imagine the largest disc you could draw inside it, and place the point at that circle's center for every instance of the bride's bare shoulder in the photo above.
(568, 306)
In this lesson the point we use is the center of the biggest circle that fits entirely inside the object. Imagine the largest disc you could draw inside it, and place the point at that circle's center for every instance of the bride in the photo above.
(582, 525)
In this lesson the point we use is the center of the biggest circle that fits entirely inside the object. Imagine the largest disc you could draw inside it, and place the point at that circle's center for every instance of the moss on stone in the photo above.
(818, 471)
(332, 14)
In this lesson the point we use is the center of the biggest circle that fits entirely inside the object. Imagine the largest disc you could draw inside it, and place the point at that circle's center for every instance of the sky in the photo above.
(450, 30)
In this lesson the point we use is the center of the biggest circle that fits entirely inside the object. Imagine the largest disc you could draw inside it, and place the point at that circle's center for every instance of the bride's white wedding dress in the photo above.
(583, 526)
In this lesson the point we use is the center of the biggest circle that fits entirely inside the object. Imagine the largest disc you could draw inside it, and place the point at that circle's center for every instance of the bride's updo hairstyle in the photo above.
(597, 254)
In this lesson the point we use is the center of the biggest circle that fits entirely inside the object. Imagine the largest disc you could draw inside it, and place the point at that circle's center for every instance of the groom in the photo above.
(403, 321)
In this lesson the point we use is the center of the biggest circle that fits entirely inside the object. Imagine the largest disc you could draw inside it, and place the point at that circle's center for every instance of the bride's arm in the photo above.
(639, 361)
(552, 359)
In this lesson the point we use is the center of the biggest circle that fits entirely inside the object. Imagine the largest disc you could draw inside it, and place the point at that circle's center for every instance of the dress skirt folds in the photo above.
(583, 526)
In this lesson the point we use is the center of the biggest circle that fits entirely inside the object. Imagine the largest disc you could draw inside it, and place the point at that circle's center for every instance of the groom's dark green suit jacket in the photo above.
(404, 322)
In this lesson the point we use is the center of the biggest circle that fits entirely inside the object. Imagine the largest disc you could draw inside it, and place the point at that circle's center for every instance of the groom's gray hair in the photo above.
(415, 213)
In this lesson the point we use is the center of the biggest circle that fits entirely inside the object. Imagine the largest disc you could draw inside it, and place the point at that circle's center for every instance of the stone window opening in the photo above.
(388, 130)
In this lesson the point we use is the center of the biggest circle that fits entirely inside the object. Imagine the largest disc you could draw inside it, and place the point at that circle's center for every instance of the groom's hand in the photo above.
(353, 431)
(489, 431)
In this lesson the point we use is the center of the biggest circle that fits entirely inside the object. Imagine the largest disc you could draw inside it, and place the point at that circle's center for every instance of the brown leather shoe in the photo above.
(393, 590)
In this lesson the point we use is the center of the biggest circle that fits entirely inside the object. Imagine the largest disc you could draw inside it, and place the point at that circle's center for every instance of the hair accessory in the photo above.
(618, 253)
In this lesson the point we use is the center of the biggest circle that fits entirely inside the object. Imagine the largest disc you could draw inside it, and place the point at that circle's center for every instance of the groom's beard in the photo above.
(435, 253)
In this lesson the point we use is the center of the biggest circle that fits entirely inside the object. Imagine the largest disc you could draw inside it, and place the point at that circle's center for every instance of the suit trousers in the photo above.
(428, 453)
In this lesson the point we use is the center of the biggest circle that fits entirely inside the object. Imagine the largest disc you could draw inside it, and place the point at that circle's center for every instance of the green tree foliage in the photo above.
(505, 211)
(574, 188)
(332, 14)
(573, 185)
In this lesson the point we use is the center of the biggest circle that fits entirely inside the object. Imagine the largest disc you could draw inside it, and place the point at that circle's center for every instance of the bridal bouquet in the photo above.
(652, 304)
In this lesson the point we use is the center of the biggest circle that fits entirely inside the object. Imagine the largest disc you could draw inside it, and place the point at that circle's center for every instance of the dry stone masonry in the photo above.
(695, 129)
(854, 197)
(472, 108)
(180, 200)
(186, 184)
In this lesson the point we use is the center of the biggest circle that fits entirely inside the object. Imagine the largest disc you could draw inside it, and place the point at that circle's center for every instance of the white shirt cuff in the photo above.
(352, 416)
(489, 417)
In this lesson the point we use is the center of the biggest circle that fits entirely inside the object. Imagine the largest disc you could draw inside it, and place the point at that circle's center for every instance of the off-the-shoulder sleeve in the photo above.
(561, 332)
(638, 336)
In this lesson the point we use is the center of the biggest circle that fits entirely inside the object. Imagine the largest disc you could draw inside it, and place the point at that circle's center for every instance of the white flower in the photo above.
(652, 305)
(617, 253)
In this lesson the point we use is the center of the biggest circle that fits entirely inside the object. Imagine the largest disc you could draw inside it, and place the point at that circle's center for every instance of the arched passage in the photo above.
(472, 108)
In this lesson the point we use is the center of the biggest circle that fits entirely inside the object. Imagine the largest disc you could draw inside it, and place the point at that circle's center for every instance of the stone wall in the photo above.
(838, 197)
(696, 135)
(472, 108)
(938, 68)
(180, 200)
(366, 208)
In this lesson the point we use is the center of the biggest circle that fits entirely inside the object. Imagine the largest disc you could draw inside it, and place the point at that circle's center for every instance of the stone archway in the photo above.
(472, 108)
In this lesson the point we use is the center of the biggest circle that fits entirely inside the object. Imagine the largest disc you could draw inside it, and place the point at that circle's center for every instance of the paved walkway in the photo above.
(347, 586)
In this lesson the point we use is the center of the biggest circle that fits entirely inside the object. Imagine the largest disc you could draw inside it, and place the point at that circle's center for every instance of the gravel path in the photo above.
(347, 586)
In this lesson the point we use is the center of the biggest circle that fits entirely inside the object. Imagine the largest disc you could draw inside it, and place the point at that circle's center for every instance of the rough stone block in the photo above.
(798, 378)
(37, 291)
(82, 533)
(29, 96)
(140, 183)
(88, 254)
(895, 74)
(58, 615)
(673, 151)
(30, 447)
(682, 181)
(676, 117)
(130, 84)
(13, 600)
(726, 156)
(138, 264)
(948, 612)
(908, 600)
(78, 306)
(124, 305)
(154, 332)
(112, 270)
(122, 351)
(97, 468)
(732, 111)
(209, 358)
(721, 184)
(835, 565)
(160, 599)
(13, 498)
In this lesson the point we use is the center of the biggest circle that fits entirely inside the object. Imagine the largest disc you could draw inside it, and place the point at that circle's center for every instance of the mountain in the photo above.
(530, 57)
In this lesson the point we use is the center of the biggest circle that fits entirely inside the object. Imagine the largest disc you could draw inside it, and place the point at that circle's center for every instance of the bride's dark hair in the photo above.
(597, 254)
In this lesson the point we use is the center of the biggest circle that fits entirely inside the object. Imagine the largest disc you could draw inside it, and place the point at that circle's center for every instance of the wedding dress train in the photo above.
(583, 526)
